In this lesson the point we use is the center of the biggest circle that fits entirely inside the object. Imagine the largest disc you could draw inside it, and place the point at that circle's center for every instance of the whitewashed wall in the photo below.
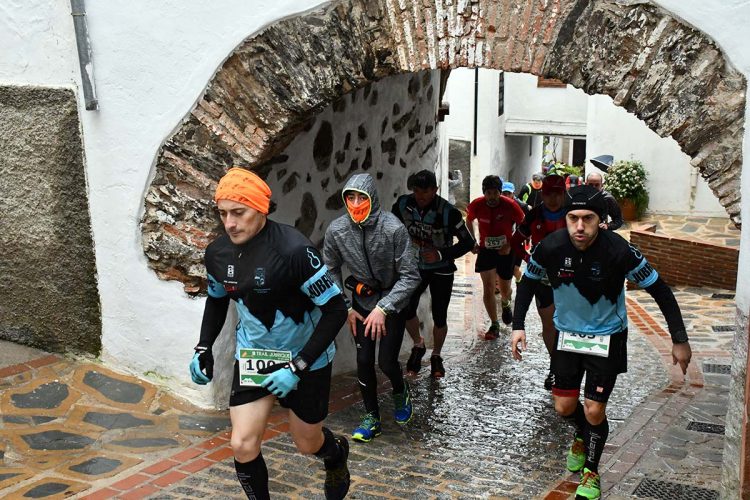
(543, 110)
(459, 124)
(614, 131)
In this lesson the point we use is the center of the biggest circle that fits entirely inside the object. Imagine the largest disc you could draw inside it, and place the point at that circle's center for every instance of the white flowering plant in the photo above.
(626, 180)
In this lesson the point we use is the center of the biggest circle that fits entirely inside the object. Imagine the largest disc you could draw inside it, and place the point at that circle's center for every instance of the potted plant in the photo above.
(626, 180)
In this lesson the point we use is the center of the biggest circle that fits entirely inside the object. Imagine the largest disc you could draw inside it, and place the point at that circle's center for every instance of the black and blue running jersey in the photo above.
(588, 286)
(278, 281)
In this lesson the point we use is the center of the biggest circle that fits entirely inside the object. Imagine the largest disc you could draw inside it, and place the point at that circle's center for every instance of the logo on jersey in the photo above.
(314, 259)
(568, 262)
(643, 273)
(636, 252)
(596, 269)
(260, 276)
(320, 286)
(230, 271)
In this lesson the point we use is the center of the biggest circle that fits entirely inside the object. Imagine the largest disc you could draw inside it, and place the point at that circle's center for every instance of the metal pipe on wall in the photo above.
(78, 11)
(476, 106)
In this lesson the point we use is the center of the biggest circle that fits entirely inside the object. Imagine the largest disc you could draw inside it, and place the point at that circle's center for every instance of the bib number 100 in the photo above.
(253, 360)
(255, 365)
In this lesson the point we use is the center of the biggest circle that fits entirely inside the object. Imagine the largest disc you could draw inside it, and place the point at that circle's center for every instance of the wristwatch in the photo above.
(298, 364)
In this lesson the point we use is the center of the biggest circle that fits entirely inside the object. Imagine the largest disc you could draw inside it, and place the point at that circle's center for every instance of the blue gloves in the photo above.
(281, 382)
(203, 361)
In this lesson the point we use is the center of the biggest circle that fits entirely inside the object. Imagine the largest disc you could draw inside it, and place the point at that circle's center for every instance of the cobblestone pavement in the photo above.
(488, 430)
(716, 230)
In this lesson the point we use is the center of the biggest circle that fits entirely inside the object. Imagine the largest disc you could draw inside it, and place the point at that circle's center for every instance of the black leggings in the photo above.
(390, 346)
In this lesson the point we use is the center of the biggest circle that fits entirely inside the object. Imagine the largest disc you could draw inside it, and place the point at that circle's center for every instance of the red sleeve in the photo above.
(470, 209)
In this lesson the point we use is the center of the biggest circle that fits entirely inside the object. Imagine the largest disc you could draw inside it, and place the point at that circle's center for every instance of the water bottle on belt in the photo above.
(358, 288)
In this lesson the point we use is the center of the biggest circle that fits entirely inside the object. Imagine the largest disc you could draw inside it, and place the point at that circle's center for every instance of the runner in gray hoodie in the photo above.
(377, 249)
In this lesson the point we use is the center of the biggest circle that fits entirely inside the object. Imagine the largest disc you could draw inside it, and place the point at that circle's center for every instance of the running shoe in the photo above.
(438, 370)
(414, 363)
(507, 313)
(576, 455)
(493, 332)
(337, 473)
(368, 429)
(402, 408)
(589, 486)
(549, 381)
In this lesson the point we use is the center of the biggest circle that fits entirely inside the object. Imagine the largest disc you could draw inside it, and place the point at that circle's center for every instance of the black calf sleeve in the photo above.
(253, 477)
(330, 451)
(595, 436)
(578, 419)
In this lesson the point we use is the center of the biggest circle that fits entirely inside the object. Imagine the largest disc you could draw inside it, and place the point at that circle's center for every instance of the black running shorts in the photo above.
(490, 259)
(441, 288)
(309, 401)
(601, 373)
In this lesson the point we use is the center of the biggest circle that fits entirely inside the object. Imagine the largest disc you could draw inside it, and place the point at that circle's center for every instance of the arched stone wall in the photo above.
(670, 75)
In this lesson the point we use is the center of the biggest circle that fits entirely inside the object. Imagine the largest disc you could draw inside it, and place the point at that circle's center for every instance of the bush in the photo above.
(564, 169)
(626, 180)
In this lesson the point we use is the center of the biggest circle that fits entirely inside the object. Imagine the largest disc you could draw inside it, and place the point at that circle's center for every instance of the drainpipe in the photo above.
(476, 106)
(693, 187)
(78, 11)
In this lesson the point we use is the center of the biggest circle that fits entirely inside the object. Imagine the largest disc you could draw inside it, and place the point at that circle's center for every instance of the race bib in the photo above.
(252, 360)
(494, 241)
(596, 345)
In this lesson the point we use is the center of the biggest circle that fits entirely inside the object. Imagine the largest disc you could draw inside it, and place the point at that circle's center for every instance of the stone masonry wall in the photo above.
(48, 297)
(737, 430)
(387, 129)
(688, 262)
(670, 75)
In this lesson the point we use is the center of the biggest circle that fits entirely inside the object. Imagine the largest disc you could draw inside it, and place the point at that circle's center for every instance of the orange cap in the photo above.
(244, 186)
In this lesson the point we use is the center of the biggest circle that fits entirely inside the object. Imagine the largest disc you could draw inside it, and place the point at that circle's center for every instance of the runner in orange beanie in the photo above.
(244, 186)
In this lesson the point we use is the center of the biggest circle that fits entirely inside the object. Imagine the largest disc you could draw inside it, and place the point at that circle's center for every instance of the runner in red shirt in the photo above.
(496, 217)
(538, 223)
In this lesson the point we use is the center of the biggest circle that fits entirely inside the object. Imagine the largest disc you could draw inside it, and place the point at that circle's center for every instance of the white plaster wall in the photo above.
(152, 60)
(523, 159)
(553, 111)
(38, 43)
(614, 131)
(459, 124)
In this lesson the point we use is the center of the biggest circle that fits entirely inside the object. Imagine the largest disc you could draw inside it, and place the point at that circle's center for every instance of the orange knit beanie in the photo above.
(244, 186)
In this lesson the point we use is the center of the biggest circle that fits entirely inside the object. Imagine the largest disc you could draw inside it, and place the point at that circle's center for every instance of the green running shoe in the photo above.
(576, 455)
(402, 408)
(368, 429)
(589, 486)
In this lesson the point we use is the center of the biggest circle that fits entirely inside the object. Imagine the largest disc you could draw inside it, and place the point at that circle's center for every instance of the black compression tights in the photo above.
(390, 346)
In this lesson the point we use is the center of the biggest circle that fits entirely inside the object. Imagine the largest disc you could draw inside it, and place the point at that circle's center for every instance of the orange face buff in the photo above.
(244, 186)
(359, 213)
(536, 184)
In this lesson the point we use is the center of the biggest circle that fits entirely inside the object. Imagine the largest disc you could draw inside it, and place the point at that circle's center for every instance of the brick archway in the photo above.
(670, 75)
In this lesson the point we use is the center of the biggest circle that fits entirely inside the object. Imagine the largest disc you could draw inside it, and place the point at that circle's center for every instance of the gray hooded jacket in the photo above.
(378, 252)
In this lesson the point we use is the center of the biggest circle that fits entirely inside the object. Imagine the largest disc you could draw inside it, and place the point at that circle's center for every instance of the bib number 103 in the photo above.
(596, 345)
(252, 360)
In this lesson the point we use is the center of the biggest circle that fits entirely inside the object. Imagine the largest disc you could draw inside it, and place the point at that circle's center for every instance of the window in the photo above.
(550, 82)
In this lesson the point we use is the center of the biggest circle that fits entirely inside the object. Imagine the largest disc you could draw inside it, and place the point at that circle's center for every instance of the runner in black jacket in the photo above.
(432, 223)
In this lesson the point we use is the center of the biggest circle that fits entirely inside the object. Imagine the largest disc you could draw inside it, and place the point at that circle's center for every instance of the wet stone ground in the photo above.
(487, 430)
